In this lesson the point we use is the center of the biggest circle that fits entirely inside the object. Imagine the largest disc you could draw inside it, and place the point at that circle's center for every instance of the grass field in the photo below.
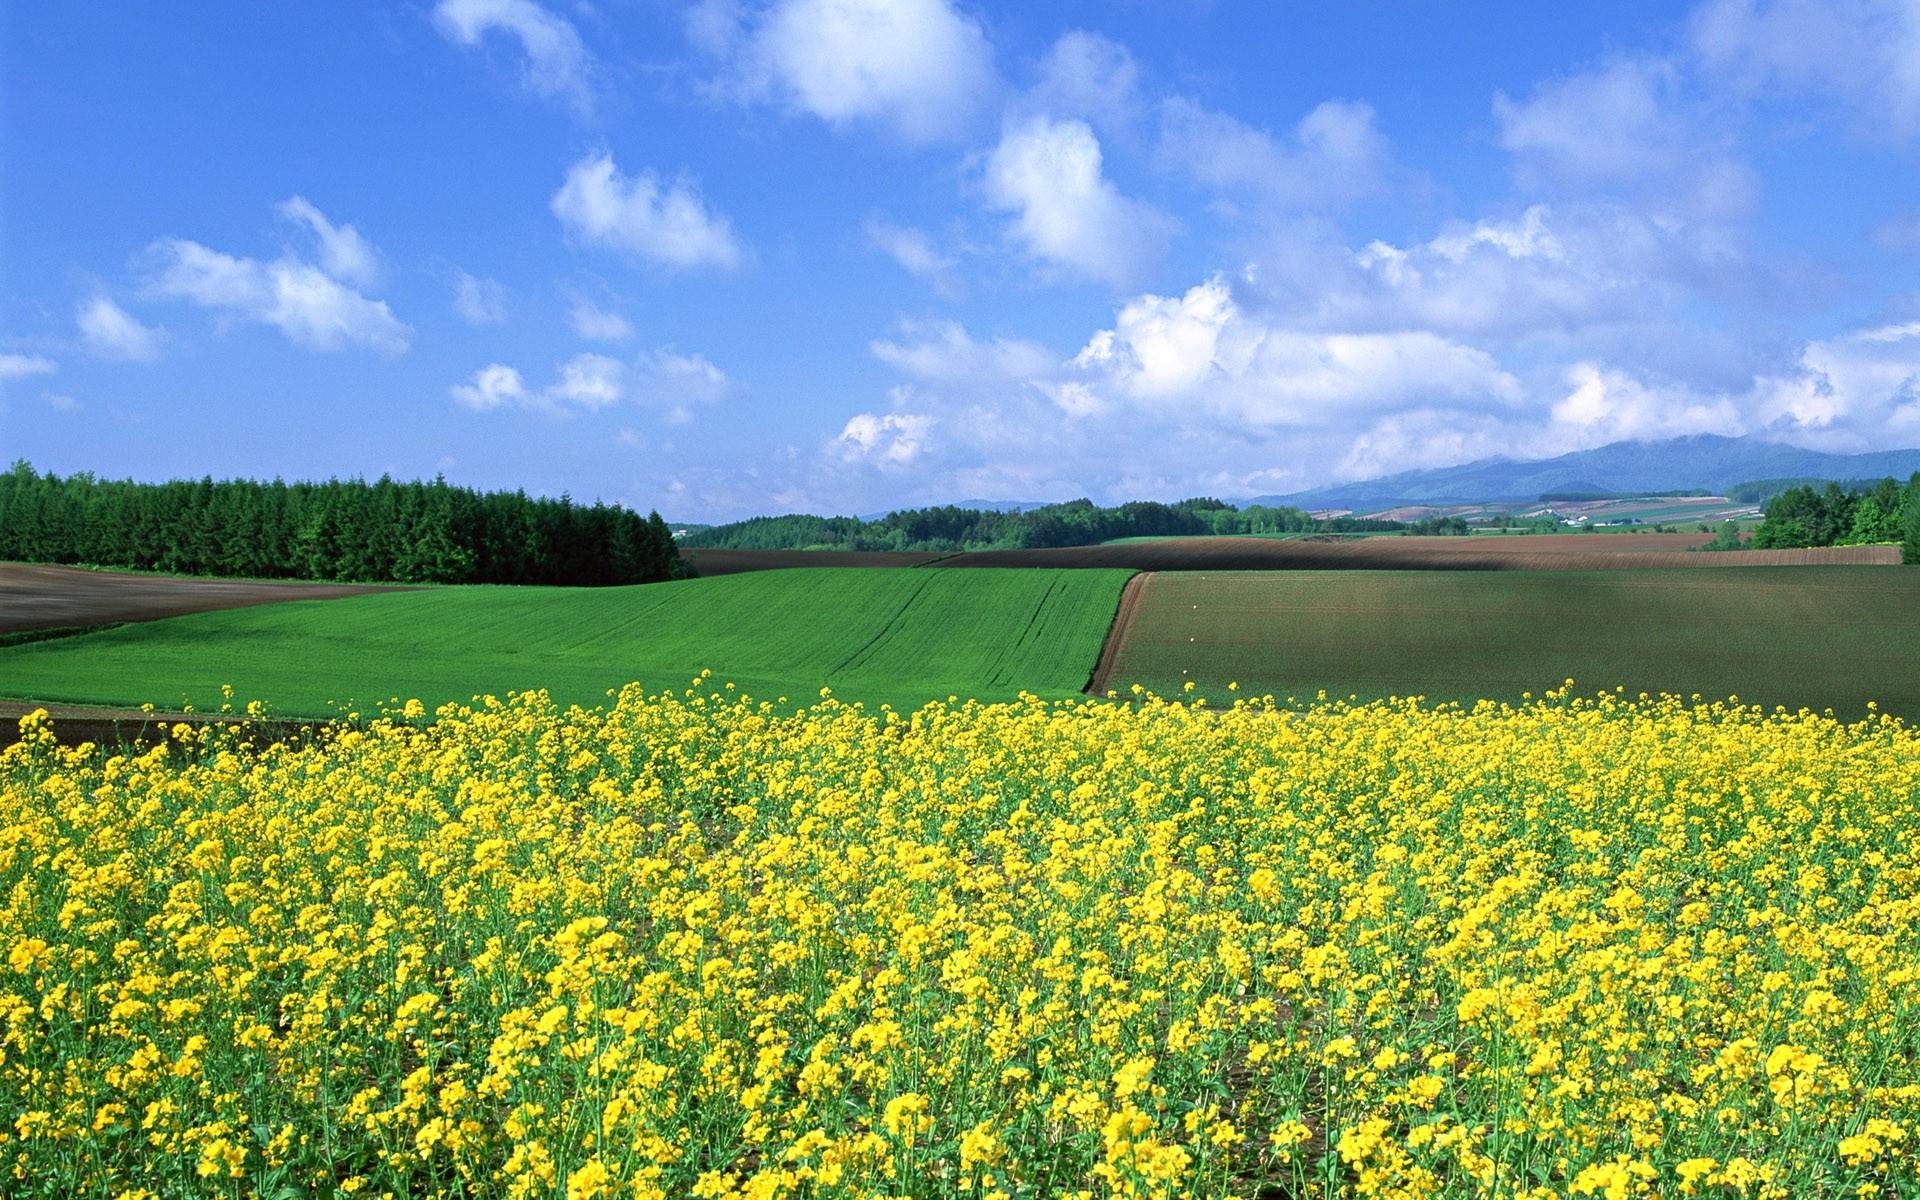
(883, 635)
(1813, 636)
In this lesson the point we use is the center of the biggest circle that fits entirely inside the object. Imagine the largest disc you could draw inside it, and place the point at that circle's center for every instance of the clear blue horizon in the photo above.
(726, 258)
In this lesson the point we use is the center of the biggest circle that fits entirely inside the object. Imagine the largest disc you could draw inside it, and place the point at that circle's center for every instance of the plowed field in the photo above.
(37, 596)
(1542, 552)
(1797, 636)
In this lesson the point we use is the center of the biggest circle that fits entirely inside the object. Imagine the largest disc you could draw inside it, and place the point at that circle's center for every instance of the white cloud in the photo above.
(493, 386)
(943, 351)
(920, 67)
(557, 63)
(1202, 352)
(1627, 127)
(1612, 406)
(1066, 212)
(479, 301)
(670, 225)
(1848, 390)
(22, 366)
(912, 249)
(1335, 153)
(1863, 53)
(304, 302)
(344, 254)
(886, 439)
(112, 332)
(1091, 76)
(598, 325)
(663, 378)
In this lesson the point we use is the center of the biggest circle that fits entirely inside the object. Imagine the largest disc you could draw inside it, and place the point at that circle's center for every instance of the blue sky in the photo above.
(842, 255)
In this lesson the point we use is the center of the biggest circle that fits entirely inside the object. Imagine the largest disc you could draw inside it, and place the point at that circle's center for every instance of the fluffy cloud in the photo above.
(308, 305)
(479, 301)
(112, 332)
(557, 63)
(1066, 213)
(887, 439)
(23, 366)
(343, 253)
(1334, 154)
(1202, 352)
(1863, 53)
(1849, 391)
(664, 224)
(598, 325)
(493, 386)
(663, 379)
(918, 67)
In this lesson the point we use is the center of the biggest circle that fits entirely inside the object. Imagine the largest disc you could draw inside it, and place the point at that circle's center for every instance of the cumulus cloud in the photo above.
(493, 386)
(892, 439)
(1066, 212)
(1333, 154)
(638, 215)
(112, 332)
(343, 253)
(663, 379)
(1848, 391)
(24, 366)
(1201, 350)
(598, 325)
(304, 302)
(557, 63)
(479, 301)
(1864, 54)
(921, 68)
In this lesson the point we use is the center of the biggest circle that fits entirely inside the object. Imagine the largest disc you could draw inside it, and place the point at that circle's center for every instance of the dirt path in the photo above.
(1131, 597)
(39, 596)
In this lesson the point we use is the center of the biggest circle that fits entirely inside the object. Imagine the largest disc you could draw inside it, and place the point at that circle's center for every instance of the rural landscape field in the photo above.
(946, 600)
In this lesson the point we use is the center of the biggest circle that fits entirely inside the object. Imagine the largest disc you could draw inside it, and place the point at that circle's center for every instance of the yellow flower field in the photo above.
(690, 946)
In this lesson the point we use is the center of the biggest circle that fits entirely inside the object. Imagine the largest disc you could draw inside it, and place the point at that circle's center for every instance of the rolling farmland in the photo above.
(1811, 636)
(39, 596)
(893, 635)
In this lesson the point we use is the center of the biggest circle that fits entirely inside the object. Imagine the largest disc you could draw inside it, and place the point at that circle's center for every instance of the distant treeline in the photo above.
(1759, 491)
(386, 530)
(1074, 523)
(1844, 516)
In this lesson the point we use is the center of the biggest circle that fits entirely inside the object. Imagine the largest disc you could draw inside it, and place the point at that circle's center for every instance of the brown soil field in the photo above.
(37, 596)
(732, 562)
(74, 724)
(1131, 598)
(1539, 552)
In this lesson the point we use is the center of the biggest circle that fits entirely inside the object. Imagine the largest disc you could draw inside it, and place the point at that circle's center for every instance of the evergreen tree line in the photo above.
(1075, 523)
(392, 531)
(1844, 516)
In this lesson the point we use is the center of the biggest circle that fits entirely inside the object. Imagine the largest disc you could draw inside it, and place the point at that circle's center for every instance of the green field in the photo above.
(1797, 636)
(890, 635)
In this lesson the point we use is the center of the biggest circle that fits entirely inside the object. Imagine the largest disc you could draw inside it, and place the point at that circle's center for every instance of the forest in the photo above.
(384, 531)
(1074, 523)
(1836, 515)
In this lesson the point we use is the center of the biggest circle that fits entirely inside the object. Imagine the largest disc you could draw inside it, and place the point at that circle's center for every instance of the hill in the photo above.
(1631, 468)
(900, 636)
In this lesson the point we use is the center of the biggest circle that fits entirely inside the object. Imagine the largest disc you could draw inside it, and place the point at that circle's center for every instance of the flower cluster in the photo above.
(689, 945)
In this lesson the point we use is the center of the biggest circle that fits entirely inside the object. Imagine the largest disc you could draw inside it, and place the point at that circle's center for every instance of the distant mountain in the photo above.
(1701, 461)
